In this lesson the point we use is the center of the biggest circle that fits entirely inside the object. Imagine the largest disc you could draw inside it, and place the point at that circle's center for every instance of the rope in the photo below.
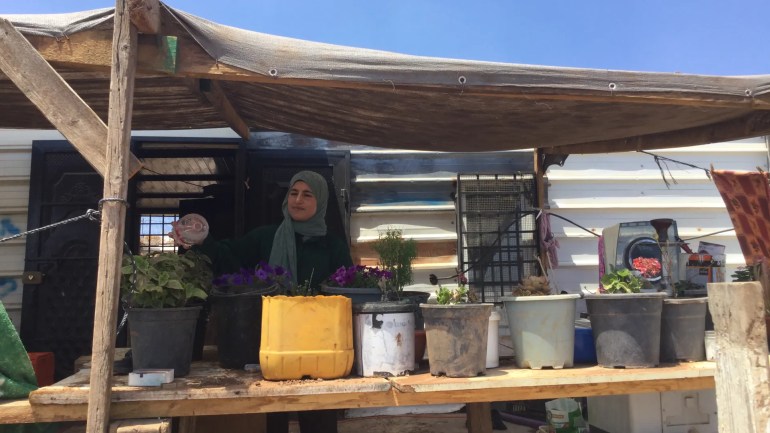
(90, 214)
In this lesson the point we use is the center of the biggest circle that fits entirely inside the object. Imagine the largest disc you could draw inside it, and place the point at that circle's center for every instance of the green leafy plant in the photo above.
(622, 281)
(457, 295)
(165, 279)
(396, 256)
(743, 273)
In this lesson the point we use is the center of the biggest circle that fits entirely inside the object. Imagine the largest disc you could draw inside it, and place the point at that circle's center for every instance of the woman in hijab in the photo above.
(301, 244)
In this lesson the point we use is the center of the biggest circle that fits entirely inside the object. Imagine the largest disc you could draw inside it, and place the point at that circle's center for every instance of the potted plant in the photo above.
(236, 300)
(542, 325)
(625, 322)
(456, 330)
(360, 283)
(158, 289)
(396, 256)
(306, 335)
(750, 273)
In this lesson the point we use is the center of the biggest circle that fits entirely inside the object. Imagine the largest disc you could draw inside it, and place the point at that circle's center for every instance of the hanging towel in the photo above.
(548, 241)
(747, 198)
(17, 378)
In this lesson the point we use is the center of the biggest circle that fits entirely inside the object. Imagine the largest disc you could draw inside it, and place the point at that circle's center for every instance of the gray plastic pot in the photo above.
(626, 328)
(682, 332)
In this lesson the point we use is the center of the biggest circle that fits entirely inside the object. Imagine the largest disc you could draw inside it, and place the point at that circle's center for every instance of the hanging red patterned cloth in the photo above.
(747, 198)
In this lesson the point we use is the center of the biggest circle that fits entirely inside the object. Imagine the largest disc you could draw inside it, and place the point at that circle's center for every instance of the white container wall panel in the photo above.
(421, 226)
(598, 191)
(414, 192)
(14, 195)
(15, 160)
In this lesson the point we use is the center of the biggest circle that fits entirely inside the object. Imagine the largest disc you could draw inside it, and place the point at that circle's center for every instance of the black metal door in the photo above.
(58, 308)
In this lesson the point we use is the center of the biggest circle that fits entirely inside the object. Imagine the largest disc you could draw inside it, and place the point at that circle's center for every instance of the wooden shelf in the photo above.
(210, 390)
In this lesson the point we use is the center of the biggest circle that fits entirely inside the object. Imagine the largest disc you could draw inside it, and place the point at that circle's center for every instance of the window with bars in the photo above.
(153, 232)
(498, 243)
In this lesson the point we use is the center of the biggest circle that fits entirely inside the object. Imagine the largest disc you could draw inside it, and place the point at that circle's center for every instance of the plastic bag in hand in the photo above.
(189, 230)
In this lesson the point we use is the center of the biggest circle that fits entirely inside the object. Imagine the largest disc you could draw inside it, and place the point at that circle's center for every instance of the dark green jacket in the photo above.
(320, 256)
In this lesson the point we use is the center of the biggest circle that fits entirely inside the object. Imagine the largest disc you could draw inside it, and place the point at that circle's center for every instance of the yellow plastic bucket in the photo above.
(306, 336)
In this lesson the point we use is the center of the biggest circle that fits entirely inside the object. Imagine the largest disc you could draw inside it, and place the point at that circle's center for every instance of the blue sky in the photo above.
(716, 37)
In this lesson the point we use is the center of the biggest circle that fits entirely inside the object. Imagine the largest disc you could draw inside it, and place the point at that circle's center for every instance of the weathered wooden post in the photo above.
(742, 374)
(124, 43)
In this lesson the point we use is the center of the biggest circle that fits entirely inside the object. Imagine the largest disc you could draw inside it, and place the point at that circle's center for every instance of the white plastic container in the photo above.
(493, 356)
(383, 334)
(710, 341)
(542, 329)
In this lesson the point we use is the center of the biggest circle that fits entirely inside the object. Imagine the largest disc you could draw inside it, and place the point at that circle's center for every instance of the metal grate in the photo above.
(498, 239)
(153, 229)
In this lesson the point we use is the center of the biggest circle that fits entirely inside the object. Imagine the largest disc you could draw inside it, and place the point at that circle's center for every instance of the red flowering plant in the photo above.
(358, 276)
(648, 267)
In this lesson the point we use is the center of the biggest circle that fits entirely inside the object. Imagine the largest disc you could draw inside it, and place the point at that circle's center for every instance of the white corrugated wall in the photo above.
(597, 191)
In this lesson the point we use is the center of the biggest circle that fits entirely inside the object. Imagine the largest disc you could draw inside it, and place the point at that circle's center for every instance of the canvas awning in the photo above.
(383, 99)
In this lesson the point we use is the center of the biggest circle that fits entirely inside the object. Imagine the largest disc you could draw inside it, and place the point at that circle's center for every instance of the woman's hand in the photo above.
(191, 229)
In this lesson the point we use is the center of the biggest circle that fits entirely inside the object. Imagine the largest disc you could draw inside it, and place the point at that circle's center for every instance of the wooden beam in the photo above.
(751, 125)
(113, 219)
(145, 15)
(89, 49)
(742, 375)
(212, 91)
(55, 98)
(479, 417)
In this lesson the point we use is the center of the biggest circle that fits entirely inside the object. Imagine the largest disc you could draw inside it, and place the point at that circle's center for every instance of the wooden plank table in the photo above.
(210, 390)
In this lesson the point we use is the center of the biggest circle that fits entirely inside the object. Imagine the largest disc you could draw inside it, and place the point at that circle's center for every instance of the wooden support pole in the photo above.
(742, 375)
(479, 417)
(39, 82)
(113, 218)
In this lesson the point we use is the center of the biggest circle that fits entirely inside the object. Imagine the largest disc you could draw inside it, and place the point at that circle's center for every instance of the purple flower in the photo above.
(261, 276)
(358, 276)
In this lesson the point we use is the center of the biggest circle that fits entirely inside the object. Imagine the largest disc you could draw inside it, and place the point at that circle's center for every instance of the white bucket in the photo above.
(384, 338)
(493, 357)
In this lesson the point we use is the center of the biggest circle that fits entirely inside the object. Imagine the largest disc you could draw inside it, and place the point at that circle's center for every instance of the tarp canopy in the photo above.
(384, 99)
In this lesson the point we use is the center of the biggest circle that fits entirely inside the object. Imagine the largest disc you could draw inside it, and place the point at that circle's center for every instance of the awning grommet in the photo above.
(461, 79)
(748, 92)
(273, 72)
(613, 86)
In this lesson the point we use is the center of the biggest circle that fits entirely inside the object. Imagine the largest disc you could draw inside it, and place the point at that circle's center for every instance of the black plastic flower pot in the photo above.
(626, 328)
(239, 325)
(163, 337)
(683, 330)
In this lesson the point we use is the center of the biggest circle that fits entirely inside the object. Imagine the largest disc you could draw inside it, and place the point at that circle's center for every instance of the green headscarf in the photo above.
(284, 251)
